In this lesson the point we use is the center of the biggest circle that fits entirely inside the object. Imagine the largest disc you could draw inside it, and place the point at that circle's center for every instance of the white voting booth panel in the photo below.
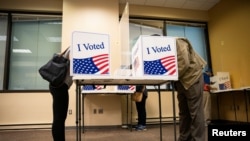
(90, 54)
(155, 57)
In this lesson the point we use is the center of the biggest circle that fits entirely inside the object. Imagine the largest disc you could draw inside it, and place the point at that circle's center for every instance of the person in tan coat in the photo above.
(190, 92)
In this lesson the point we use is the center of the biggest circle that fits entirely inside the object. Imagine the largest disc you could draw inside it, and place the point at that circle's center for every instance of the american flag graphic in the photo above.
(126, 87)
(93, 65)
(99, 87)
(88, 87)
(163, 66)
(92, 87)
(225, 85)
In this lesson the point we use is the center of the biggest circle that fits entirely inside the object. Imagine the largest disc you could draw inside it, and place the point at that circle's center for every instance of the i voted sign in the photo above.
(90, 54)
(155, 56)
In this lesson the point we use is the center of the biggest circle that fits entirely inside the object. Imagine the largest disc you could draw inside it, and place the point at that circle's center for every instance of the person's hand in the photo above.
(206, 87)
(208, 73)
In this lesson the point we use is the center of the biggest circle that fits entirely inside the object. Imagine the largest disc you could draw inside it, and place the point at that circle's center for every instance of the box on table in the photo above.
(155, 57)
(90, 54)
(221, 81)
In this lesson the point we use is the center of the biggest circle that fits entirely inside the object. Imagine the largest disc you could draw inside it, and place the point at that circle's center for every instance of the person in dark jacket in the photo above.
(141, 108)
(60, 96)
(206, 96)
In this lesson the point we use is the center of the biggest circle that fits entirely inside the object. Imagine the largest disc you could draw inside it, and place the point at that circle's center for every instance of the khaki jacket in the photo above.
(190, 64)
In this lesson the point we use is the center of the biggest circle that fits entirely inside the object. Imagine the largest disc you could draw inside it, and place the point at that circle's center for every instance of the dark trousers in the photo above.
(60, 104)
(141, 111)
(191, 114)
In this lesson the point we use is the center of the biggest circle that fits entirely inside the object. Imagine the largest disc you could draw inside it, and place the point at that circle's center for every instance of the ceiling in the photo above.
(183, 4)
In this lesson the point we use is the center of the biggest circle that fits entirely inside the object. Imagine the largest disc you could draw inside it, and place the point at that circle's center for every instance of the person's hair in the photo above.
(155, 35)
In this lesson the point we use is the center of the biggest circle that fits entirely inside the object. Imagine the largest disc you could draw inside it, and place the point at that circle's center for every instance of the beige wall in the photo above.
(94, 16)
(167, 13)
(32, 5)
(27, 108)
(229, 34)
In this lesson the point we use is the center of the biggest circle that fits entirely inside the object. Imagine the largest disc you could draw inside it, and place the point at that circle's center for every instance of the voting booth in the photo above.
(90, 54)
(155, 57)
(152, 61)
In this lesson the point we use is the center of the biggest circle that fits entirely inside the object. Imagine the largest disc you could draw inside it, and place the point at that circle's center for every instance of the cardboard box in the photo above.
(90, 54)
(221, 81)
(156, 57)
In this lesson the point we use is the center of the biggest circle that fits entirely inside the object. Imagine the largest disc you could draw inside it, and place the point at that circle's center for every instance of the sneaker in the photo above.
(140, 128)
(134, 126)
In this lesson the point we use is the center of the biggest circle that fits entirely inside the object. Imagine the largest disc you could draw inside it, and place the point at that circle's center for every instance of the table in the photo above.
(118, 80)
(245, 91)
